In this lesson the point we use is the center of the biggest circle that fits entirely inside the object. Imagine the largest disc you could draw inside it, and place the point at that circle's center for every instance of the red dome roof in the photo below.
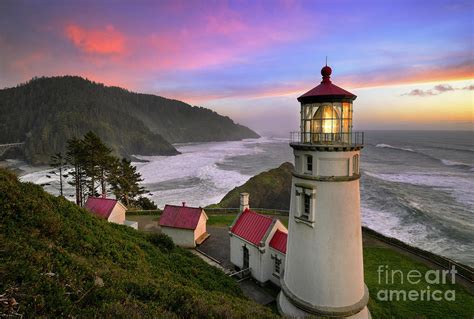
(326, 91)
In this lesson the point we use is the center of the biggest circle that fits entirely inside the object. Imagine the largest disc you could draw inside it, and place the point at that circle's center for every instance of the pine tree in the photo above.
(75, 156)
(98, 162)
(58, 161)
(125, 180)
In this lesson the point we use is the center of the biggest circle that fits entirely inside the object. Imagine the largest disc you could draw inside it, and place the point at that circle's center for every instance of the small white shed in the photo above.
(110, 209)
(258, 243)
(185, 225)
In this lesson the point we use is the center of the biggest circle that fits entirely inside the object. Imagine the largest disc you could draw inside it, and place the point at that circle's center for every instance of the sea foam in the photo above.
(395, 148)
(197, 169)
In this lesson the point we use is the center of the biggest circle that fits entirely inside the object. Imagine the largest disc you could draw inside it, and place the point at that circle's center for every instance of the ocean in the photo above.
(417, 186)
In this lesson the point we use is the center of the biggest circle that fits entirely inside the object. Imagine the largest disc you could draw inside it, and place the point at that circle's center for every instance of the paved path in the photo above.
(218, 247)
(261, 295)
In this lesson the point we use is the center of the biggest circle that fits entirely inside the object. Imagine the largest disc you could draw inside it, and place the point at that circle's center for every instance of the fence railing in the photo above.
(325, 139)
(214, 211)
(268, 211)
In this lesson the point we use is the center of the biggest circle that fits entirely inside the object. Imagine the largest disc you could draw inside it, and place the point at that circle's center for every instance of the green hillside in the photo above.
(57, 260)
(46, 112)
(269, 189)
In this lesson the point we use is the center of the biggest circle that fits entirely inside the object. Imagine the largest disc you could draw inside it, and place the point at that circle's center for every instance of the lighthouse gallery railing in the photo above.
(345, 139)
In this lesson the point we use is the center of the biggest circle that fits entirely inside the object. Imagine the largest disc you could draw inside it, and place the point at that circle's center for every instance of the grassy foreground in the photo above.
(374, 257)
(57, 260)
(461, 307)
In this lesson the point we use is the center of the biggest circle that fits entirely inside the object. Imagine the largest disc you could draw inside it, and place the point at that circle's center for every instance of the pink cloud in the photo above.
(26, 65)
(349, 82)
(106, 41)
(221, 36)
(263, 91)
(210, 37)
(408, 75)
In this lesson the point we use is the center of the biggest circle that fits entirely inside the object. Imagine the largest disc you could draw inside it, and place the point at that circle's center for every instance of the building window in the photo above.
(309, 163)
(276, 268)
(306, 206)
(355, 164)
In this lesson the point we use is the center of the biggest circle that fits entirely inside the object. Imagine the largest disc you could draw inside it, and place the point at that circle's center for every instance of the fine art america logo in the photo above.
(399, 278)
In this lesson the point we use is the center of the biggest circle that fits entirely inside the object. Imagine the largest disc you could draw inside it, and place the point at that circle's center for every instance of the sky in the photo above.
(411, 63)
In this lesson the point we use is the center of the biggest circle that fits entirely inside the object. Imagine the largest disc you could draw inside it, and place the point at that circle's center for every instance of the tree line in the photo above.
(46, 112)
(95, 171)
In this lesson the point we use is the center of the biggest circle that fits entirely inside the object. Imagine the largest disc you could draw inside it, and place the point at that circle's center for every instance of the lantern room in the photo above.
(326, 114)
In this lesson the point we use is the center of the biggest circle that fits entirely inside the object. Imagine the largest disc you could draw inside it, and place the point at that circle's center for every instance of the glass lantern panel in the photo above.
(326, 120)
(346, 120)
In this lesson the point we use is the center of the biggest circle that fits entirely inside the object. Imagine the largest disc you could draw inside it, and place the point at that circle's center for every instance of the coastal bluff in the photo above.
(270, 189)
(45, 112)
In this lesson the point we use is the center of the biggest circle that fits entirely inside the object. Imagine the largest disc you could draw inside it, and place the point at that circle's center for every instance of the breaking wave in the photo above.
(205, 172)
(445, 162)
(458, 164)
(393, 147)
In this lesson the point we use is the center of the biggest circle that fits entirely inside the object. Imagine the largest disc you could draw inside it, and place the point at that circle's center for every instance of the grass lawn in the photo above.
(144, 212)
(221, 220)
(461, 307)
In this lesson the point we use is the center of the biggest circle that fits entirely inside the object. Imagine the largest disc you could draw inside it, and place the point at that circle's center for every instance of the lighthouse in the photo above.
(324, 274)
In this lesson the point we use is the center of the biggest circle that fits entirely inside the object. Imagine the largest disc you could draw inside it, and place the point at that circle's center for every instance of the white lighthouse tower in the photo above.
(324, 275)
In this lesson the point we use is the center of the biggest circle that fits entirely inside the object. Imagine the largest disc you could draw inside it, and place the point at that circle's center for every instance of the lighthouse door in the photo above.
(246, 258)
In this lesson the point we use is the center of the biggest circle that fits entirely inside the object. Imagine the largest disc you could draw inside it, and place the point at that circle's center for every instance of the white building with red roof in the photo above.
(258, 243)
(109, 209)
(185, 225)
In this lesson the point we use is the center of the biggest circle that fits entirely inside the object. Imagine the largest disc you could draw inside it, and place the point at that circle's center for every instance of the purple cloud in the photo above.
(418, 92)
(441, 88)
(436, 90)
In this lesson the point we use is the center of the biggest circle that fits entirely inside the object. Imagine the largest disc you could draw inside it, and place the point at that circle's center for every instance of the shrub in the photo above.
(144, 203)
(162, 241)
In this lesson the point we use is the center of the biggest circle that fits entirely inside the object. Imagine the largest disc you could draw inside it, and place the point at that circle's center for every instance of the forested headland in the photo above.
(46, 112)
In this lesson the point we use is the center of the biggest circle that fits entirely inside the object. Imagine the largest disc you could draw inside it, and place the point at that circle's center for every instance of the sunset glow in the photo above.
(251, 59)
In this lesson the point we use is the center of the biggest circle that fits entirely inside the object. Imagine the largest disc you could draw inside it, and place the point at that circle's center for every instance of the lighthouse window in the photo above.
(306, 206)
(355, 164)
(309, 163)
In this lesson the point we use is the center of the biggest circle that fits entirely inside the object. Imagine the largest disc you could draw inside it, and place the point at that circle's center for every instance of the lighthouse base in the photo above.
(287, 309)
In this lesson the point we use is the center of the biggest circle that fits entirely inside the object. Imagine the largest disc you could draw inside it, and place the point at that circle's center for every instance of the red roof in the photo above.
(180, 217)
(251, 226)
(326, 91)
(101, 207)
(278, 241)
